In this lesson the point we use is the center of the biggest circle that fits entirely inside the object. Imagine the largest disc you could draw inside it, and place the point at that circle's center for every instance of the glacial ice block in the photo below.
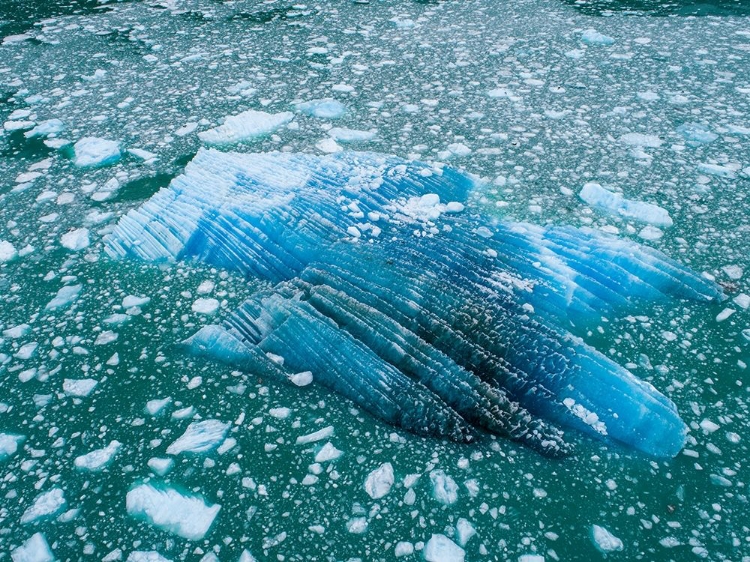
(393, 289)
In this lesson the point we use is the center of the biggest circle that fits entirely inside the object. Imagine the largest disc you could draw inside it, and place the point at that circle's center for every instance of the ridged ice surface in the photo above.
(399, 293)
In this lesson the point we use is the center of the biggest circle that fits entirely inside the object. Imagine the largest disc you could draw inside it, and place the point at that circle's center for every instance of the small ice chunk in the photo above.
(9, 443)
(155, 407)
(465, 531)
(605, 541)
(328, 145)
(319, 435)
(696, 134)
(205, 306)
(301, 379)
(328, 453)
(742, 300)
(357, 525)
(64, 297)
(650, 233)
(18, 331)
(717, 170)
(441, 549)
(380, 481)
(167, 509)
(444, 487)
(403, 548)
(200, 437)
(46, 505)
(641, 141)
(131, 300)
(593, 37)
(160, 466)
(724, 314)
(35, 549)
(350, 135)
(107, 336)
(93, 151)
(323, 108)
(245, 126)
(146, 556)
(46, 128)
(99, 459)
(734, 272)
(79, 387)
(8, 251)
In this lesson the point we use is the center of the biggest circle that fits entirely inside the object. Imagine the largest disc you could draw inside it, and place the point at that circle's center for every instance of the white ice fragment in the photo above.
(76, 239)
(46, 128)
(593, 37)
(328, 453)
(531, 558)
(742, 300)
(245, 126)
(597, 196)
(46, 505)
(247, 556)
(328, 146)
(205, 306)
(465, 531)
(350, 135)
(605, 541)
(93, 151)
(708, 426)
(155, 407)
(64, 297)
(8, 252)
(146, 556)
(107, 336)
(279, 413)
(160, 466)
(99, 459)
(403, 548)
(301, 379)
(131, 300)
(356, 525)
(319, 435)
(9, 443)
(734, 272)
(79, 387)
(322, 108)
(16, 332)
(641, 141)
(650, 233)
(441, 549)
(724, 314)
(189, 517)
(444, 487)
(717, 170)
(380, 481)
(35, 549)
(200, 437)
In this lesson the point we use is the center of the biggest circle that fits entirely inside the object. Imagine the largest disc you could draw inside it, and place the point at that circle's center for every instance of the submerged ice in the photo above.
(393, 289)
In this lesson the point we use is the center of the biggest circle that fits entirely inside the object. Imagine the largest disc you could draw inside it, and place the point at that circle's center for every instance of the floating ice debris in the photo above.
(99, 459)
(717, 170)
(605, 541)
(441, 549)
(76, 239)
(465, 530)
(245, 126)
(444, 488)
(301, 379)
(327, 453)
(188, 516)
(8, 251)
(734, 272)
(156, 406)
(379, 481)
(696, 134)
(650, 233)
(93, 151)
(441, 351)
(597, 196)
(132, 300)
(328, 145)
(65, 296)
(9, 444)
(357, 525)
(45, 505)
(205, 306)
(200, 437)
(350, 135)
(35, 549)
(323, 109)
(160, 466)
(79, 387)
(641, 141)
(146, 556)
(403, 548)
(593, 37)
(46, 128)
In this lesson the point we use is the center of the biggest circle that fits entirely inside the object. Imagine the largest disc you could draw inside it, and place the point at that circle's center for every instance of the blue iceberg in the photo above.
(399, 293)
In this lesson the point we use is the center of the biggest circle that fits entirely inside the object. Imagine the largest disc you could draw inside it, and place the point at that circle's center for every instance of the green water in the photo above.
(420, 74)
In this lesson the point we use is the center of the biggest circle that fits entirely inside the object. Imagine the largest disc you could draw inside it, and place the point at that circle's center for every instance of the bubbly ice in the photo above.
(93, 151)
(185, 515)
(200, 437)
(245, 126)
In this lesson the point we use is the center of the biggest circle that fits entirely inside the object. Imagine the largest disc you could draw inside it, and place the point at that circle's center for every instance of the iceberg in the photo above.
(397, 291)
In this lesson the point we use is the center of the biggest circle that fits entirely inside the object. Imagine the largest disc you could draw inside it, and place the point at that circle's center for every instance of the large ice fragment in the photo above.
(35, 549)
(245, 126)
(597, 196)
(165, 508)
(45, 505)
(93, 151)
(9, 443)
(394, 288)
(200, 437)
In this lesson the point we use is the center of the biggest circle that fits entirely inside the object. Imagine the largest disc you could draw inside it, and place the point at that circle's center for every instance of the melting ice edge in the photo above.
(397, 292)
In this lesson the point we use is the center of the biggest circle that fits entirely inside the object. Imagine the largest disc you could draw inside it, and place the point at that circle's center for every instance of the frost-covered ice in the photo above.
(322, 108)
(76, 239)
(34, 549)
(200, 437)
(380, 481)
(9, 444)
(94, 151)
(100, 458)
(8, 251)
(185, 515)
(46, 505)
(597, 196)
(79, 388)
(65, 296)
(245, 126)
(441, 549)
(604, 540)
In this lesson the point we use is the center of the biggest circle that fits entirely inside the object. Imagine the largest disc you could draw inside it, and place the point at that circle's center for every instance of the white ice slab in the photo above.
(379, 481)
(245, 126)
(9, 443)
(35, 549)
(604, 540)
(98, 459)
(441, 549)
(93, 151)
(46, 505)
(597, 196)
(64, 297)
(200, 437)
